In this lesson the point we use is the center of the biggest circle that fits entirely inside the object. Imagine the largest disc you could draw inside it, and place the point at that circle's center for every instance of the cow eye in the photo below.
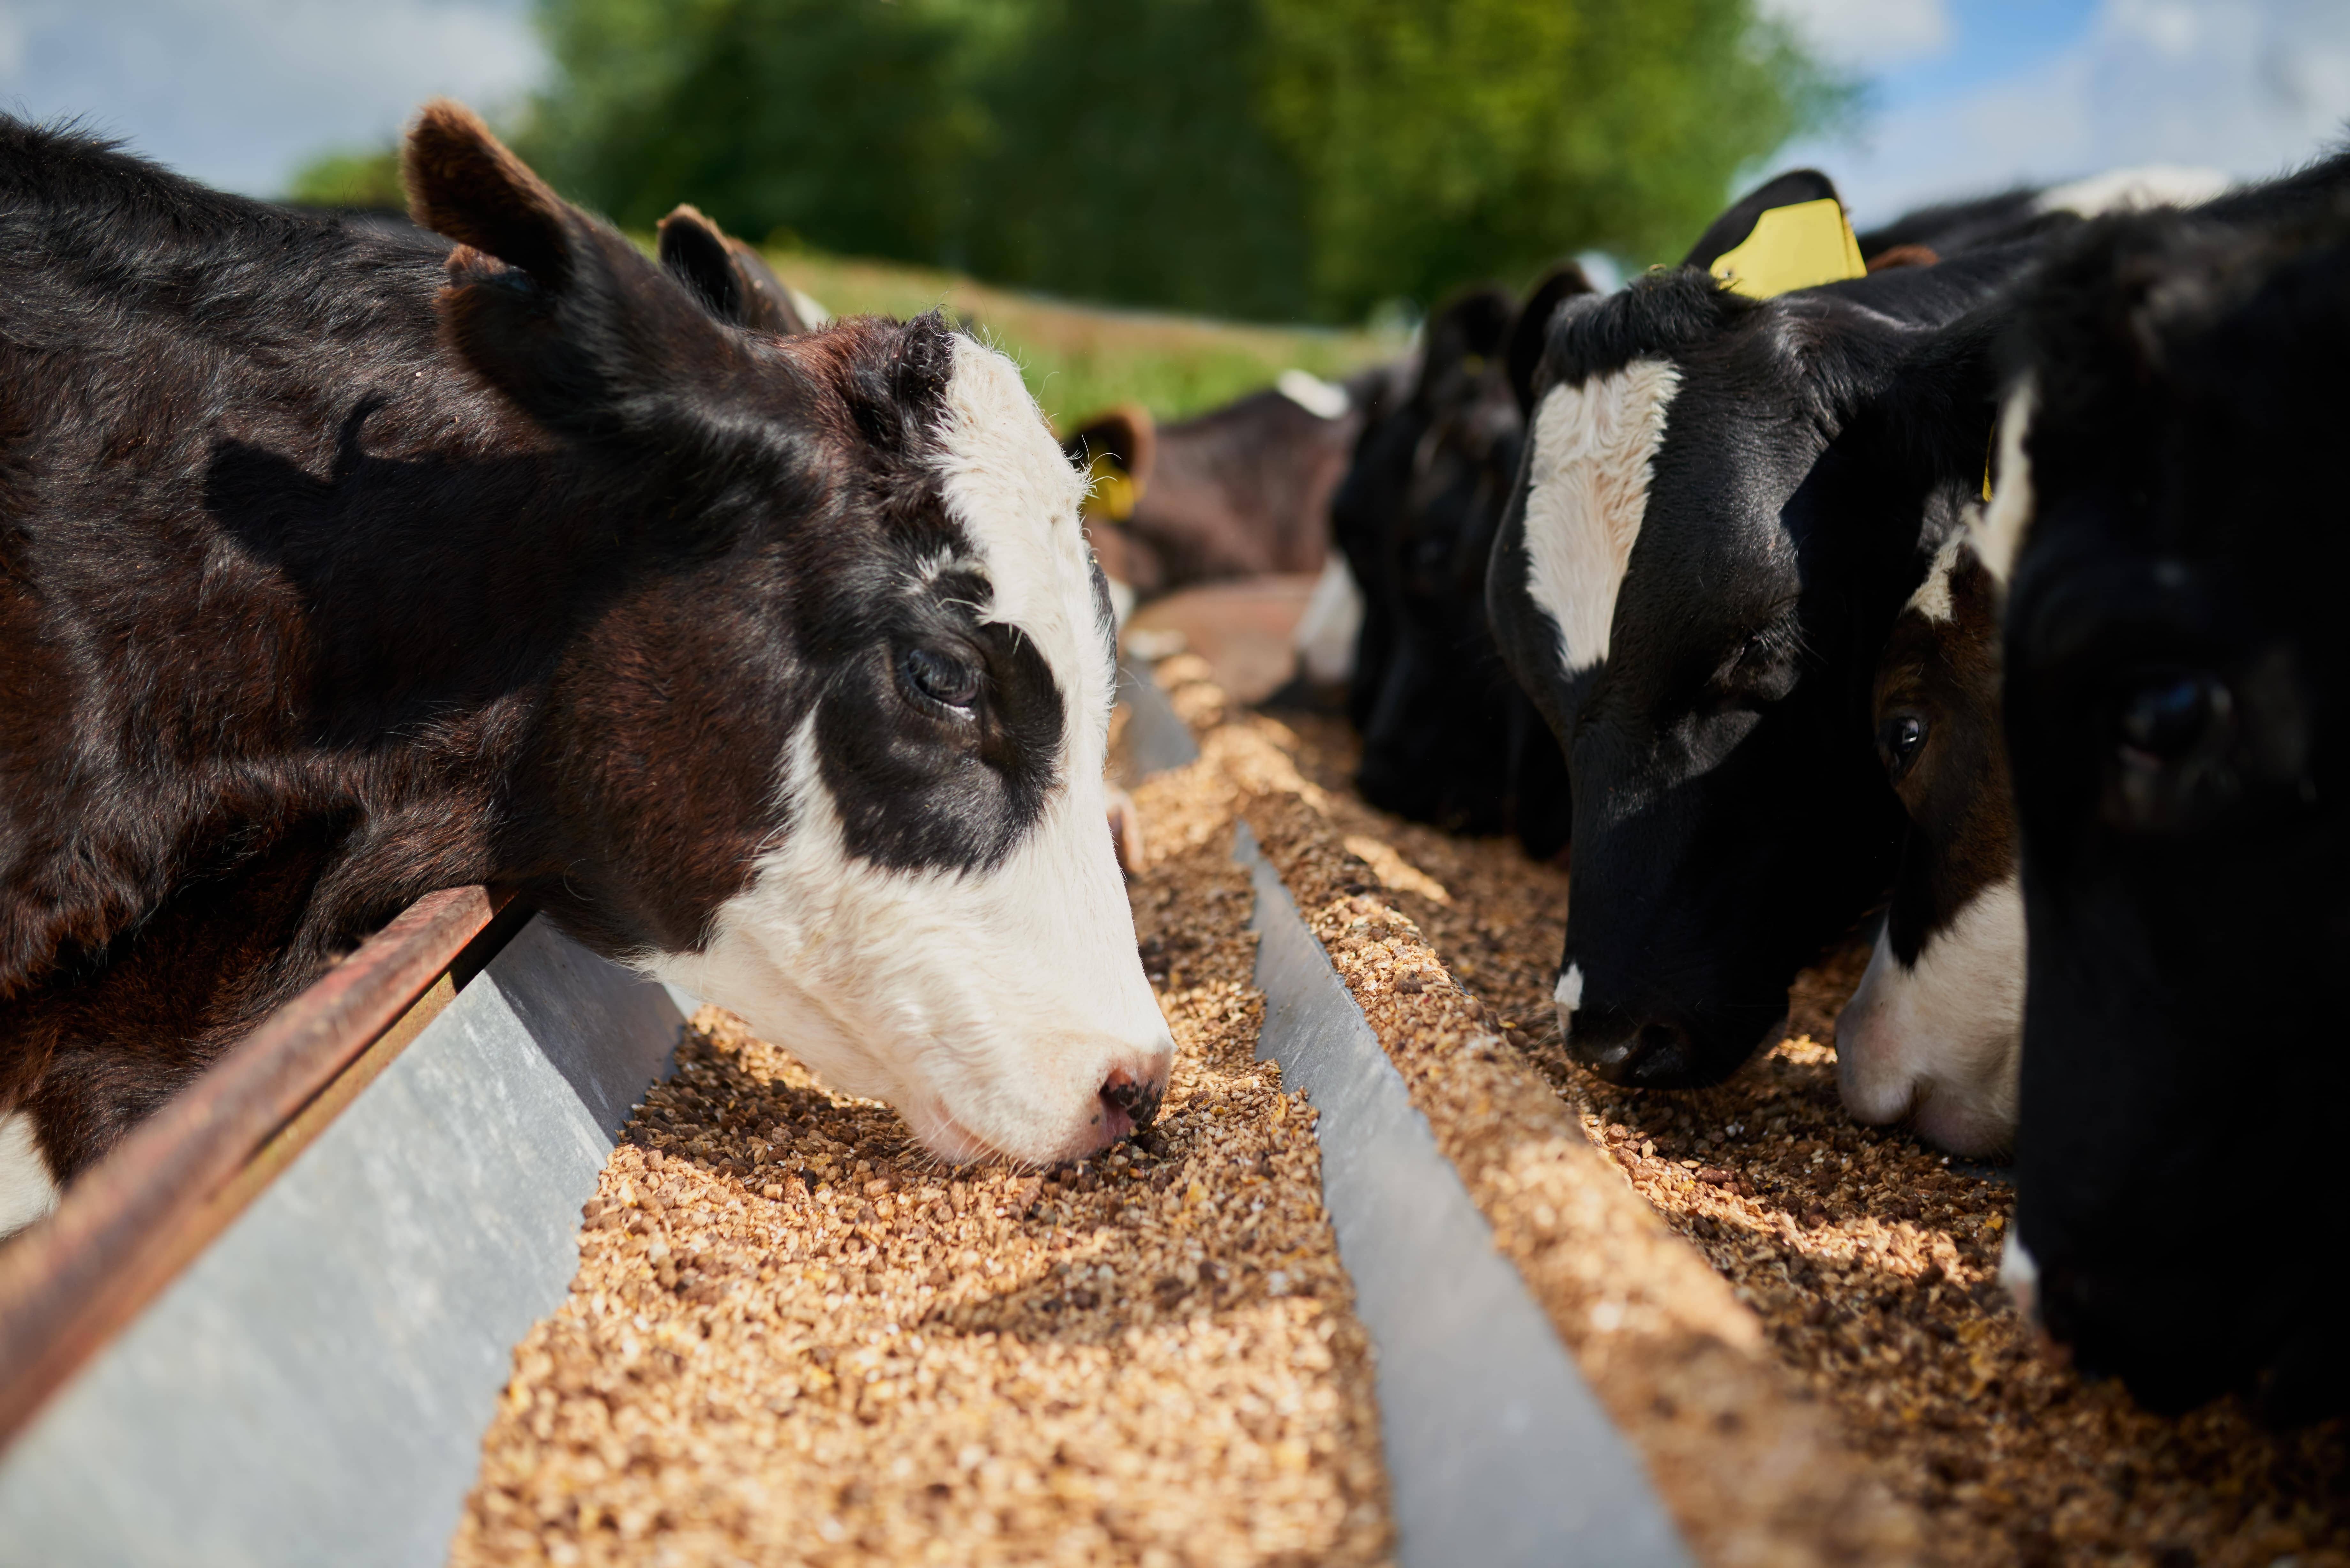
(946, 679)
(1899, 741)
(2168, 716)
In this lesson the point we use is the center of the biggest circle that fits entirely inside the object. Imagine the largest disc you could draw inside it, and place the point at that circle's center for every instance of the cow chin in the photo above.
(1001, 1011)
(1941, 1042)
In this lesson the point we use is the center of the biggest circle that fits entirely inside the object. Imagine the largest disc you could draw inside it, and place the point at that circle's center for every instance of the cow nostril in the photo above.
(1137, 1098)
(1653, 1055)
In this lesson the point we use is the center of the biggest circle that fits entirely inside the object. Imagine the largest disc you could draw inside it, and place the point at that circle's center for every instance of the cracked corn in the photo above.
(1868, 1259)
(795, 1339)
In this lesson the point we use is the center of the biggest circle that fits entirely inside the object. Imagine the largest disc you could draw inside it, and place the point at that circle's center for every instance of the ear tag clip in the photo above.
(1792, 247)
(1113, 491)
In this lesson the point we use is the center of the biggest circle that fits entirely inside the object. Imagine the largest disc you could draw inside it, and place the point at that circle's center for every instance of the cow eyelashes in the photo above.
(1899, 744)
(940, 679)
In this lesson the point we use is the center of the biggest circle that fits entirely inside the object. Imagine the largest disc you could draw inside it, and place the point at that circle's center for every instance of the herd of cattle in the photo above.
(1976, 569)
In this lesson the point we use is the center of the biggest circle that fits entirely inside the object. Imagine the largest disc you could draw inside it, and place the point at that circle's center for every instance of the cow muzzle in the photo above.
(1641, 1053)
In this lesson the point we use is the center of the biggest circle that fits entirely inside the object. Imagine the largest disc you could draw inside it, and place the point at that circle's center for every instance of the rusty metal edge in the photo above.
(133, 1221)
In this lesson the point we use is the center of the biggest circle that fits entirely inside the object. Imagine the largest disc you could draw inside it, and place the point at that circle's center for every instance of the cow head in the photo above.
(1722, 507)
(825, 742)
(1934, 1032)
(2169, 517)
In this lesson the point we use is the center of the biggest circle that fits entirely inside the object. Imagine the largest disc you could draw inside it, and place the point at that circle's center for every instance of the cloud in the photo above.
(2248, 88)
(1864, 34)
(239, 92)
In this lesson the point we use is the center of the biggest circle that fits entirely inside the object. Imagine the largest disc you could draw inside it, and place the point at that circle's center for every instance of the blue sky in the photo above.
(1964, 95)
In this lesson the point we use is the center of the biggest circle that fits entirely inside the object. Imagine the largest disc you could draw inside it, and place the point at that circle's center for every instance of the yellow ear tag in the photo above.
(1791, 247)
(1114, 491)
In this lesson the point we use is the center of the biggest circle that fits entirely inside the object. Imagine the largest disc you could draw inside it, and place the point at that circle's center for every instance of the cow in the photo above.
(1739, 472)
(1448, 738)
(1934, 1032)
(1240, 490)
(1725, 502)
(338, 566)
(2166, 521)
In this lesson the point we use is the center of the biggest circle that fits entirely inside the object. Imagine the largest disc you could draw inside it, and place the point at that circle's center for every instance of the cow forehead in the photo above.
(1015, 497)
(1595, 449)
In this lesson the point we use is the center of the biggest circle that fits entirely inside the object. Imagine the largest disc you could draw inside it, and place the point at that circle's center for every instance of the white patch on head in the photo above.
(1325, 635)
(1933, 598)
(1942, 1044)
(1323, 400)
(1998, 532)
(2133, 190)
(1588, 491)
(1569, 995)
(27, 1190)
(989, 1008)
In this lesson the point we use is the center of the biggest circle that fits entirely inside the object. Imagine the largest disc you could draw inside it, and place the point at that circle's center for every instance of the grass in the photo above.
(1079, 359)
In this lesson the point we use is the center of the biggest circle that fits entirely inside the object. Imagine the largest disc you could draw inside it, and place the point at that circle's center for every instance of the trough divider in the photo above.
(132, 1222)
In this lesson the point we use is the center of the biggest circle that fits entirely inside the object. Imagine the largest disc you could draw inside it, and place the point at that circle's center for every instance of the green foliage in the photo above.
(1443, 142)
(350, 180)
(1266, 158)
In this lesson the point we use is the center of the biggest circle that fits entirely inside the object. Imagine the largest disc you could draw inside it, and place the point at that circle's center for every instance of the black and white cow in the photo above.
(1725, 502)
(2168, 519)
(338, 566)
(1934, 1032)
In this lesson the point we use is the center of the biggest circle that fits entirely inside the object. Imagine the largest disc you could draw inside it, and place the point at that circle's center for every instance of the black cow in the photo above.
(2169, 498)
(1447, 737)
(336, 566)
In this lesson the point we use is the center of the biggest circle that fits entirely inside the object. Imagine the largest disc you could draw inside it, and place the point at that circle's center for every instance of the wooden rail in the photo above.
(134, 1220)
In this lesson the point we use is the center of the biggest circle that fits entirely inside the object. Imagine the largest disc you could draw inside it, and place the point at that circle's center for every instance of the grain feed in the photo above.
(793, 1338)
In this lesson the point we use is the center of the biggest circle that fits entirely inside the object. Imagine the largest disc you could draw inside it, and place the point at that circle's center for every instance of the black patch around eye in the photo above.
(2167, 717)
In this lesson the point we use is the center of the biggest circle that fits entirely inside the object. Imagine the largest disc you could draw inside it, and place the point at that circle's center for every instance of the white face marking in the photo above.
(1933, 598)
(989, 1008)
(1323, 400)
(1588, 491)
(1999, 530)
(1942, 1043)
(1326, 633)
(28, 1191)
(1569, 995)
(2133, 190)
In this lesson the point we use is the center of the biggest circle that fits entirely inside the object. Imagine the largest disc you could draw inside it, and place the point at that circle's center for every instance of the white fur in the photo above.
(2020, 1272)
(2133, 190)
(1323, 400)
(1933, 598)
(1568, 996)
(1594, 445)
(1326, 633)
(989, 1008)
(1942, 1043)
(28, 1191)
(1999, 530)
(812, 313)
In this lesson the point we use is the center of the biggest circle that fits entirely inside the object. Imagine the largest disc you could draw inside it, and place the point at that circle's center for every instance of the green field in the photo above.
(1079, 359)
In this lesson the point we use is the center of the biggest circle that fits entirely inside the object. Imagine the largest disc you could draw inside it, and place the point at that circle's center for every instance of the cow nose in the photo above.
(1651, 1053)
(1130, 1100)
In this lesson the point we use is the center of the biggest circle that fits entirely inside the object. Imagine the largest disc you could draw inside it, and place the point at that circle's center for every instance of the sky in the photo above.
(1962, 96)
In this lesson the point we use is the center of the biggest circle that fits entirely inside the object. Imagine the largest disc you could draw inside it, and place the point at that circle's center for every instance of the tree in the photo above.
(1446, 141)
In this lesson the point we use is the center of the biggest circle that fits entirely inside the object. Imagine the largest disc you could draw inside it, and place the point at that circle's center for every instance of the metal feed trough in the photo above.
(273, 1325)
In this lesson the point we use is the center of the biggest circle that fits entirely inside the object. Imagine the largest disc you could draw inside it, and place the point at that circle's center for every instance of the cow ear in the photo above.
(555, 309)
(1731, 230)
(1116, 452)
(693, 251)
(1465, 335)
(733, 280)
(1530, 334)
